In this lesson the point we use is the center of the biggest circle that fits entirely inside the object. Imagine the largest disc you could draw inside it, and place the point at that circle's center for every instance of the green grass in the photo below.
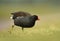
(39, 32)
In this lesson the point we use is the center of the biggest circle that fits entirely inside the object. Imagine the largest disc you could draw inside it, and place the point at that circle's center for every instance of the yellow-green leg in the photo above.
(11, 29)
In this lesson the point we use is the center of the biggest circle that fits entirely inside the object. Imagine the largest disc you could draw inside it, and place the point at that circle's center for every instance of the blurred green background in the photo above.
(47, 29)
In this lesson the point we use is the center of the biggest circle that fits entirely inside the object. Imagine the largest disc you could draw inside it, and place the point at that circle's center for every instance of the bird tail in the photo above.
(11, 17)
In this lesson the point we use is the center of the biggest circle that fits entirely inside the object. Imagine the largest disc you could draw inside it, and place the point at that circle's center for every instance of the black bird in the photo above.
(26, 22)
(24, 19)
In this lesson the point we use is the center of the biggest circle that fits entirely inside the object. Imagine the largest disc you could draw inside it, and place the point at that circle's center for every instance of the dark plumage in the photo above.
(20, 13)
(24, 19)
(25, 22)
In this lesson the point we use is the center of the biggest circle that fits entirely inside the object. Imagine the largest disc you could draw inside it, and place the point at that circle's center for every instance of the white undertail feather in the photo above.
(11, 17)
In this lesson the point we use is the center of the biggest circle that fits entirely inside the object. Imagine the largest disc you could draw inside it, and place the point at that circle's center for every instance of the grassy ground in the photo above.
(47, 29)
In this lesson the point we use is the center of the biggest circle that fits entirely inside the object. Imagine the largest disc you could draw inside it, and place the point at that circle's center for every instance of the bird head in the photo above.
(36, 17)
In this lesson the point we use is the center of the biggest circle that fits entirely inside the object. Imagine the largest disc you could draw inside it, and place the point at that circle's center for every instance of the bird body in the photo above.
(24, 20)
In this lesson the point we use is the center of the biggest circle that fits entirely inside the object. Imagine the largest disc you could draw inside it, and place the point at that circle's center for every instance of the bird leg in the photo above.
(11, 29)
(22, 28)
